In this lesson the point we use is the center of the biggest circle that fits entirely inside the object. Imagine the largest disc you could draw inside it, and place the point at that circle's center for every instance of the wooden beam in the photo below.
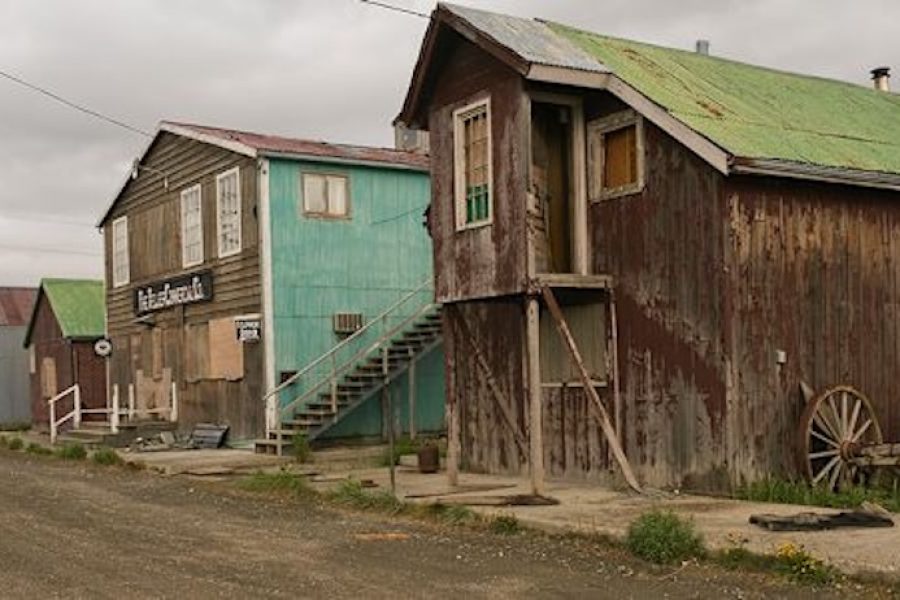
(601, 412)
(535, 397)
(452, 402)
(496, 393)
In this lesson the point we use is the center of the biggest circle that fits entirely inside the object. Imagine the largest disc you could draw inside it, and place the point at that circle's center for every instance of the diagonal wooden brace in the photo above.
(601, 413)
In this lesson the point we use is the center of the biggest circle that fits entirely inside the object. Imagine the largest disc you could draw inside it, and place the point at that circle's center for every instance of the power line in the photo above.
(399, 9)
(27, 218)
(48, 250)
(70, 104)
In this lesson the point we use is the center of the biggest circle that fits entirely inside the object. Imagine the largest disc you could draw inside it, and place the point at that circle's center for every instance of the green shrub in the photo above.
(300, 445)
(71, 451)
(663, 537)
(16, 443)
(4, 443)
(283, 482)
(351, 493)
(106, 456)
(798, 492)
(795, 562)
(34, 448)
(23, 426)
(505, 524)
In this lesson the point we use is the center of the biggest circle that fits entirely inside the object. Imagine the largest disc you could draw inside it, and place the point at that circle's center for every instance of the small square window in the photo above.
(615, 154)
(325, 195)
(472, 165)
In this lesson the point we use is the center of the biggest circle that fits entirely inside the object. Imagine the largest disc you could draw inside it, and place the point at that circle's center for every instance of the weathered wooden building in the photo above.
(715, 233)
(238, 262)
(67, 319)
(15, 308)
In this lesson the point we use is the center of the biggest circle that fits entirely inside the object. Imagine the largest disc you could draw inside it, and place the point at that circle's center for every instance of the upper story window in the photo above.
(228, 212)
(120, 267)
(191, 227)
(325, 195)
(472, 165)
(616, 154)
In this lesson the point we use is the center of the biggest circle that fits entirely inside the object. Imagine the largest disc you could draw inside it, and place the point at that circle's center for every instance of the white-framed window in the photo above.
(616, 155)
(473, 171)
(228, 212)
(120, 264)
(191, 227)
(325, 195)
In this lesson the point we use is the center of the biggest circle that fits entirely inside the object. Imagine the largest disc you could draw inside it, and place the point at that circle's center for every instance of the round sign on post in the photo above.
(103, 347)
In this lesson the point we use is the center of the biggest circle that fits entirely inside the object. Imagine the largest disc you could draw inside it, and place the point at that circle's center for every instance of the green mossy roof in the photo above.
(79, 306)
(755, 112)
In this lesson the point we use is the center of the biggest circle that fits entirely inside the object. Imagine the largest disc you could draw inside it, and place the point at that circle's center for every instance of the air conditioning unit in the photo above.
(347, 323)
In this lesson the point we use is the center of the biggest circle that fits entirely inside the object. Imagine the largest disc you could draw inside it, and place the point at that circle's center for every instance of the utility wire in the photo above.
(27, 218)
(47, 250)
(70, 104)
(399, 9)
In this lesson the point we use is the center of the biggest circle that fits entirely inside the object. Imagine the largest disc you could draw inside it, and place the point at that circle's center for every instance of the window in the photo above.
(228, 210)
(325, 195)
(615, 148)
(120, 267)
(472, 165)
(191, 227)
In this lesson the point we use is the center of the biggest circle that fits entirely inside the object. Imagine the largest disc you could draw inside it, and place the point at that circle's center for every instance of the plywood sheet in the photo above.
(226, 353)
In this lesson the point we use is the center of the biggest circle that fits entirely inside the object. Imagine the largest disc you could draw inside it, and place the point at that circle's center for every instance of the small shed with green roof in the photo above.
(68, 317)
(715, 233)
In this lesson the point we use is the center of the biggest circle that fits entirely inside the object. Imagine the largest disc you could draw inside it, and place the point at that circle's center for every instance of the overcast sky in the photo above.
(321, 69)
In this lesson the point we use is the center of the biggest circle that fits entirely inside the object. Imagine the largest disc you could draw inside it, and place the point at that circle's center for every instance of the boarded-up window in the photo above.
(472, 165)
(196, 352)
(157, 341)
(120, 267)
(325, 195)
(191, 227)
(226, 353)
(48, 377)
(228, 211)
(587, 322)
(615, 156)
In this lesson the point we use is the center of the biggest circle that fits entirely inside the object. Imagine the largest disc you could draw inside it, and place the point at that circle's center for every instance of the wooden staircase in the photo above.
(339, 389)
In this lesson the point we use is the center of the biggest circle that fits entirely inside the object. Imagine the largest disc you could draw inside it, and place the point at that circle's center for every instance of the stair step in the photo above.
(326, 404)
(299, 422)
(315, 412)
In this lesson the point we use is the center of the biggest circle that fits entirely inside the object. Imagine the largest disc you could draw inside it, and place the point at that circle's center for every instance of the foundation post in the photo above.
(452, 402)
(535, 399)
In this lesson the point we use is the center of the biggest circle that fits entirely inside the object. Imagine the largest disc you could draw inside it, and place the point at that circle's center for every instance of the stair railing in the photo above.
(74, 415)
(327, 369)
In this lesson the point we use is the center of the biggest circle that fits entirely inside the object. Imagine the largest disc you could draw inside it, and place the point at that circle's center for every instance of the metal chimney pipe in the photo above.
(881, 79)
(703, 47)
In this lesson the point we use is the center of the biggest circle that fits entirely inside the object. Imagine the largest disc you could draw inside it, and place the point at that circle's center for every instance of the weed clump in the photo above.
(282, 482)
(798, 492)
(352, 493)
(4, 443)
(301, 447)
(797, 564)
(16, 443)
(505, 525)
(663, 537)
(106, 457)
(71, 451)
(37, 449)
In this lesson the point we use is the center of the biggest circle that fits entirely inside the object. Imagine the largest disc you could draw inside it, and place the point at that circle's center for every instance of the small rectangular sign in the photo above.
(178, 291)
(248, 328)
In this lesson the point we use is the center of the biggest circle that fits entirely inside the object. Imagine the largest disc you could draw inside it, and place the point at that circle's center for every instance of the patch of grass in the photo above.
(448, 514)
(301, 447)
(663, 537)
(282, 482)
(797, 564)
(16, 443)
(37, 449)
(352, 493)
(23, 426)
(796, 492)
(4, 443)
(505, 524)
(402, 446)
(106, 457)
(71, 451)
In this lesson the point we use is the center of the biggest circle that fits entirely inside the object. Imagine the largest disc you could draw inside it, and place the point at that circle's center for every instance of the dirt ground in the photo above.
(80, 531)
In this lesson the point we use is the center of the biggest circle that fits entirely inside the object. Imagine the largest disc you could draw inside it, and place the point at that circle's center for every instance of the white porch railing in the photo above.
(114, 410)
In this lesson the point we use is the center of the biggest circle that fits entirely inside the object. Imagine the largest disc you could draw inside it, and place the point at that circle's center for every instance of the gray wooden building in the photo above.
(15, 308)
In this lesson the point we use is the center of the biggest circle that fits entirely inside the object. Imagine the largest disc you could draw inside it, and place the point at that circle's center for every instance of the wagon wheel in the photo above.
(833, 422)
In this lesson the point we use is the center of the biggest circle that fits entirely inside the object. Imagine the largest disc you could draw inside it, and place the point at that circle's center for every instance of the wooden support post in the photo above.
(76, 418)
(412, 394)
(388, 406)
(114, 414)
(603, 416)
(173, 407)
(452, 401)
(53, 422)
(131, 411)
(614, 343)
(535, 397)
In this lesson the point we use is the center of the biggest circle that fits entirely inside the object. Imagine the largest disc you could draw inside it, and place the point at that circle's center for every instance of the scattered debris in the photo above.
(374, 537)
(511, 500)
(809, 521)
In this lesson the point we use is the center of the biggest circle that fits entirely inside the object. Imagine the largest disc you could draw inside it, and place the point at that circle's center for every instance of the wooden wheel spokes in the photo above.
(832, 425)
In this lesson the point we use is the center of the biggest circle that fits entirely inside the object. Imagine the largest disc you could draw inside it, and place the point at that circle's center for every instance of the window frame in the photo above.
(185, 263)
(114, 263)
(314, 214)
(236, 171)
(597, 154)
(459, 164)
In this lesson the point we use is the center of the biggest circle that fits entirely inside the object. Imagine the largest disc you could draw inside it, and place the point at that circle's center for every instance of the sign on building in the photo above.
(186, 289)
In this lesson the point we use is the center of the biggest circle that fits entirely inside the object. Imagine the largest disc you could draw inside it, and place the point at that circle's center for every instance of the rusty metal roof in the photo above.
(15, 305)
(532, 40)
(265, 144)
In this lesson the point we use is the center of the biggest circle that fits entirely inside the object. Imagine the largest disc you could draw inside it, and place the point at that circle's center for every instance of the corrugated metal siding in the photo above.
(15, 404)
(361, 264)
